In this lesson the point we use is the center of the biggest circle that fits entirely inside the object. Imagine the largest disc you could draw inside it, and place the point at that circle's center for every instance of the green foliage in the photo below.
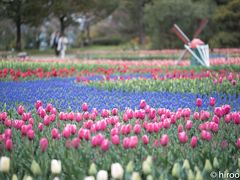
(161, 15)
(227, 17)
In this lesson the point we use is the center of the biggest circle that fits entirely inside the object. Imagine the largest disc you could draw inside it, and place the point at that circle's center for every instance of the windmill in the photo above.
(200, 52)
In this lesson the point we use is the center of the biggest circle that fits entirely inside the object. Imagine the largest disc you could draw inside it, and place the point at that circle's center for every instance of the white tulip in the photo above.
(89, 178)
(117, 171)
(102, 175)
(136, 176)
(4, 164)
(56, 167)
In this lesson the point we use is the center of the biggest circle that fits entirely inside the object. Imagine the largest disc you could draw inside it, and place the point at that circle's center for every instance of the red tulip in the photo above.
(145, 139)
(115, 139)
(164, 140)
(30, 134)
(9, 144)
(38, 104)
(114, 111)
(194, 141)
(212, 101)
(199, 102)
(182, 136)
(43, 144)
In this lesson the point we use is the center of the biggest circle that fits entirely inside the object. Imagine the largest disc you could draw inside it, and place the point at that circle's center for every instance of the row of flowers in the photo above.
(118, 172)
(105, 136)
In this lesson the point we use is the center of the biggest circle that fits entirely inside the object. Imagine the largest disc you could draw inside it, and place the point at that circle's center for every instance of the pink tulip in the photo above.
(9, 144)
(20, 110)
(105, 145)
(196, 115)
(238, 143)
(194, 141)
(216, 119)
(40, 127)
(230, 77)
(164, 140)
(24, 116)
(182, 136)
(30, 134)
(43, 113)
(94, 111)
(78, 117)
(212, 101)
(206, 135)
(114, 111)
(189, 124)
(62, 116)
(115, 139)
(133, 142)
(137, 129)
(86, 115)
(214, 127)
(227, 118)
(84, 107)
(24, 130)
(46, 120)
(49, 107)
(145, 139)
(54, 133)
(218, 111)
(8, 133)
(93, 116)
(68, 144)
(199, 102)
(31, 121)
(180, 128)
(142, 104)
(226, 109)
(38, 104)
(66, 132)
(167, 123)
(8, 123)
(71, 116)
(53, 111)
(126, 142)
(125, 117)
(75, 142)
(43, 144)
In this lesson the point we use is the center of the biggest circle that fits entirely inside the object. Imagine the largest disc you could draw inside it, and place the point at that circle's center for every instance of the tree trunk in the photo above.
(18, 34)
(62, 25)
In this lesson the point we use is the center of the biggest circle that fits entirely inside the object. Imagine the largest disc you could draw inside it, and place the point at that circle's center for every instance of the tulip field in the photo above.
(118, 120)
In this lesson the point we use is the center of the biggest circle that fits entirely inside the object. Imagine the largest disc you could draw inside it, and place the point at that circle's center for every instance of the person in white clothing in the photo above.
(62, 45)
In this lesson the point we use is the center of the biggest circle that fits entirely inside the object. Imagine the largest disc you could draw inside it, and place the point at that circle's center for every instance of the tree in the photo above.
(227, 19)
(160, 15)
(23, 12)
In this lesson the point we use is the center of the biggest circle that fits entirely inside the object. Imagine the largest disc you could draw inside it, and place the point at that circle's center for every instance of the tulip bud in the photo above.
(130, 167)
(35, 168)
(92, 169)
(149, 177)
(186, 164)
(102, 175)
(136, 176)
(176, 170)
(56, 178)
(208, 166)
(4, 164)
(89, 178)
(27, 177)
(199, 176)
(190, 175)
(146, 167)
(215, 163)
(56, 166)
(238, 162)
(117, 171)
(149, 159)
(14, 177)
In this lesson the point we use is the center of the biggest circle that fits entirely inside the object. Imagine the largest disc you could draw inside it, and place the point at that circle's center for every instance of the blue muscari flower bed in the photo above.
(64, 93)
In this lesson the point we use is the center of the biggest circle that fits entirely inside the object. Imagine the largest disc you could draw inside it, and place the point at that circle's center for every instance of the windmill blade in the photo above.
(184, 53)
(180, 34)
(202, 25)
